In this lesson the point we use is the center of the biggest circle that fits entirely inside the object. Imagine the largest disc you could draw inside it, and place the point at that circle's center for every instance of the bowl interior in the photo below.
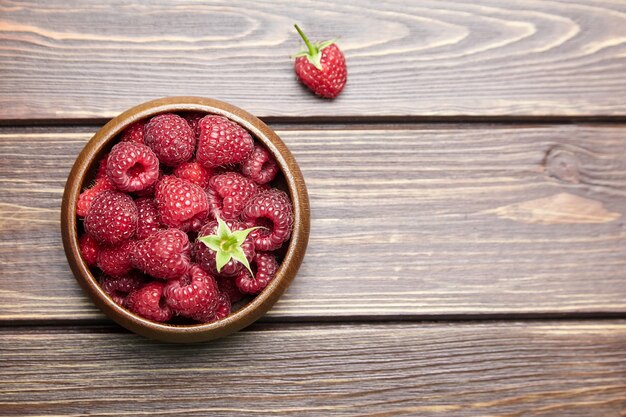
(289, 179)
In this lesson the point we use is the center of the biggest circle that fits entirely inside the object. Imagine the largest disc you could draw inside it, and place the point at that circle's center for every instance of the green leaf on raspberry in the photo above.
(227, 245)
(314, 50)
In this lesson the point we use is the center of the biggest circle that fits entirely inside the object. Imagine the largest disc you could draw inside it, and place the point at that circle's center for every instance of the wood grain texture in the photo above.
(73, 59)
(423, 221)
(511, 369)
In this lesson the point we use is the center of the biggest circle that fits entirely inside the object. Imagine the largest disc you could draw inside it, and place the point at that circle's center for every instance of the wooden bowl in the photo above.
(84, 169)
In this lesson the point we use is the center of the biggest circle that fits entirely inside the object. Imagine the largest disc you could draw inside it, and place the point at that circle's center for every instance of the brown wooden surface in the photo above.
(512, 369)
(411, 221)
(74, 59)
(496, 214)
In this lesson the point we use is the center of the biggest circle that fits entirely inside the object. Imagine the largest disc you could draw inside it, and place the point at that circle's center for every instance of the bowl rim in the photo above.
(262, 302)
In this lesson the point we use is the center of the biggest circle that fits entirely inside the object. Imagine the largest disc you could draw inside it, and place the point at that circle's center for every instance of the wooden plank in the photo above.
(423, 221)
(72, 59)
(504, 369)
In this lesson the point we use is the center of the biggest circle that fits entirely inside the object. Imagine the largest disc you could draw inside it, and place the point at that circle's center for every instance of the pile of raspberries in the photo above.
(169, 182)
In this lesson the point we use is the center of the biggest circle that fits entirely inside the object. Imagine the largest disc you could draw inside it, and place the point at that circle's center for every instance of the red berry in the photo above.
(222, 142)
(89, 249)
(115, 260)
(264, 268)
(195, 295)
(132, 166)
(149, 302)
(229, 287)
(180, 203)
(164, 254)
(260, 166)
(194, 173)
(148, 221)
(112, 218)
(171, 139)
(322, 67)
(102, 168)
(206, 256)
(134, 133)
(119, 287)
(223, 308)
(193, 117)
(86, 197)
(273, 212)
(228, 194)
(149, 191)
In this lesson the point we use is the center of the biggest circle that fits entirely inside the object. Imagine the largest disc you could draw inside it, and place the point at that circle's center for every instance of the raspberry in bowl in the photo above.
(185, 219)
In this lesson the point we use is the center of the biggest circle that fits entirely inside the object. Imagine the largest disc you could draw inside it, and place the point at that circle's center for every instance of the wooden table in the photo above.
(468, 192)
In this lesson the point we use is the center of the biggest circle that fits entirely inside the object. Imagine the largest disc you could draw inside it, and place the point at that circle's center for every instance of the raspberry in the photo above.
(171, 139)
(227, 286)
(148, 302)
(194, 173)
(192, 118)
(206, 257)
(86, 197)
(321, 67)
(272, 211)
(115, 260)
(260, 166)
(180, 203)
(112, 218)
(89, 249)
(223, 308)
(119, 287)
(222, 142)
(132, 166)
(149, 191)
(194, 295)
(164, 254)
(148, 221)
(228, 194)
(102, 168)
(264, 269)
(134, 133)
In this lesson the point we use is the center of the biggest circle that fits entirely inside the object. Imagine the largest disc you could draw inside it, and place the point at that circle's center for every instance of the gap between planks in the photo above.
(311, 121)
(270, 321)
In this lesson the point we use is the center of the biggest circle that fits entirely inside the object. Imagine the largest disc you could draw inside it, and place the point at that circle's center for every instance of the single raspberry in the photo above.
(228, 194)
(132, 166)
(102, 168)
(260, 166)
(273, 212)
(89, 249)
(86, 197)
(112, 218)
(193, 117)
(223, 308)
(115, 260)
(222, 142)
(148, 221)
(171, 139)
(206, 256)
(134, 133)
(119, 287)
(194, 173)
(149, 302)
(321, 67)
(194, 295)
(229, 287)
(164, 254)
(180, 203)
(264, 269)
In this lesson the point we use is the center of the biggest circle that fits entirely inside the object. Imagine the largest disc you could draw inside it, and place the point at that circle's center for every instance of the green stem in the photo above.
(312, 49)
